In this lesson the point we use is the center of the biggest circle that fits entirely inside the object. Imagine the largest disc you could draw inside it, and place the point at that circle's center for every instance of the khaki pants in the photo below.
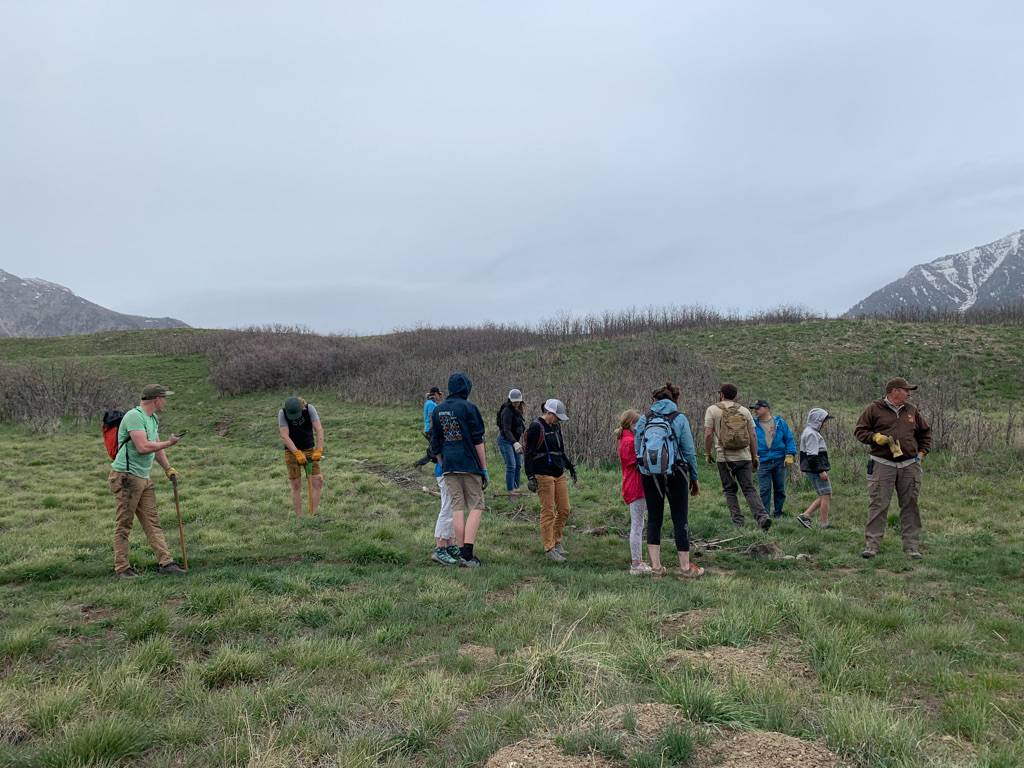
(135, 497)
(907, 483)
(554, 508)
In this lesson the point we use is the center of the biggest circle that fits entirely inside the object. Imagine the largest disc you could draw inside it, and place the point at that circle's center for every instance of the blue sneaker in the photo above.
(440, 555)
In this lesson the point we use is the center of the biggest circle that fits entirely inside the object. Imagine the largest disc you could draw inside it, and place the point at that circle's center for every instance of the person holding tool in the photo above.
(303, 438)
(139, 444)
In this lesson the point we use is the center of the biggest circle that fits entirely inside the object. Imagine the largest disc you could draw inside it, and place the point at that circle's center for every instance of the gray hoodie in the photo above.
(813, 451)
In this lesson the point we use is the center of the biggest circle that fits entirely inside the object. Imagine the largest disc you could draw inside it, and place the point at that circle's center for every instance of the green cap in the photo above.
(293, 408)
(153, 391)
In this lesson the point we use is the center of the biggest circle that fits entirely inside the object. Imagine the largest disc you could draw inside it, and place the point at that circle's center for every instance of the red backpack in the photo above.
(111, 423)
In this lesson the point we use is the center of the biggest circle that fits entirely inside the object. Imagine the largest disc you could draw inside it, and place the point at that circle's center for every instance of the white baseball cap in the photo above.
(556, 407)
(515, 396)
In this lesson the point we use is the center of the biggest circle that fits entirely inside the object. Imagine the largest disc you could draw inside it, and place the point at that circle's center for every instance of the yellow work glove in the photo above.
(300, 457)
(172, 474)
(880, 439)
(789, 460)
(318, 454)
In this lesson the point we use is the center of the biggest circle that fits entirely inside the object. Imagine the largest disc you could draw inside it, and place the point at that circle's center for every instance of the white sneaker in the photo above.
(640, 569)
(552, 554)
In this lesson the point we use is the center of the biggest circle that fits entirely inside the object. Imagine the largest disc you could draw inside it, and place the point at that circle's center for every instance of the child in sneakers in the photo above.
(632, 491)
(814, 463)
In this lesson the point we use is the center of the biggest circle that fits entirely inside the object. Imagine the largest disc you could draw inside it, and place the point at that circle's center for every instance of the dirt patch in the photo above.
(508, 594)
(94, 613)
(482, 655)
(222, 427)
(764, 749)
(685, 623)
(542, 753)
(174, 602)
(766, 551)
(13, 730)
(756, 663)
(646, 723)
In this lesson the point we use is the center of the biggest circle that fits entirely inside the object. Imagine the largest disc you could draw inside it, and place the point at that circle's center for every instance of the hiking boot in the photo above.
(739, 523)
(777, 513)
(559, 550)
(127, 573)
(455, 552)
(914, 554)
(473, 562)
(552, 554)
(170, 569)
(764, 523)
(804, 520)
(639, 569)
(440, 555)
(868, 553)
(826, 526)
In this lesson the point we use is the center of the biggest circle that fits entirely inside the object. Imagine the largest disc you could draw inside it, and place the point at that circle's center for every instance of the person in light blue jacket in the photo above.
(776, 451)
(676, 484)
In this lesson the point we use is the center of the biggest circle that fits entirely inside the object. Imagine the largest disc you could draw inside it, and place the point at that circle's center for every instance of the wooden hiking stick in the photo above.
(181, 525)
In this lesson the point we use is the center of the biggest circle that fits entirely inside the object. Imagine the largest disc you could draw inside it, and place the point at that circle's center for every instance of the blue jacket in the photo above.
(680, 431)
(456, 428)
(782, 444)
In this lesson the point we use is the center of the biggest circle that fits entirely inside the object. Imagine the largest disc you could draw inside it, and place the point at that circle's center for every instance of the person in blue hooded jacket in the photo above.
(776, 450)
(457, 440)
(676, 486)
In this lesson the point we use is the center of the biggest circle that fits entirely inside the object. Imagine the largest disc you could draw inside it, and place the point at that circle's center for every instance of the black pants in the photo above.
(677, 490)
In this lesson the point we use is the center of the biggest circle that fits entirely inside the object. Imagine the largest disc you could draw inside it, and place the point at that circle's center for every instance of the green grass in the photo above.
(334, 640)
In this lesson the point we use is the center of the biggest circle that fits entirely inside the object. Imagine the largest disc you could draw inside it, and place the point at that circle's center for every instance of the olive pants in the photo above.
(135, 498)
(882, 481)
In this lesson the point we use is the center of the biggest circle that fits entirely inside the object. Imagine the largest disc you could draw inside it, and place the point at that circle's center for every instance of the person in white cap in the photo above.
(546, 465)
(511, 425)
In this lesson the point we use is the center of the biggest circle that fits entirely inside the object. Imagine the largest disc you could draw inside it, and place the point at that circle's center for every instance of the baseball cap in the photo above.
(515, 396)
(898, 383)
(153, 391)
(433, 391)
(556, 407)
(761, 404)
(293, 408)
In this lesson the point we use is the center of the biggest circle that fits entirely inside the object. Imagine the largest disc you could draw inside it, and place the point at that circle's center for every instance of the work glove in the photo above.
(881, 439)
(573, 475)
(300, 457)
(318, 454)
(531, 483)
(789, 460)
(518, 447)
(485, 479)
(894, 446)
(172, 474)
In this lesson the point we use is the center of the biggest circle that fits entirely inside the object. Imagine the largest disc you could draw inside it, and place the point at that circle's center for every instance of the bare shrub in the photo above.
(40, 395)
(1006, 314)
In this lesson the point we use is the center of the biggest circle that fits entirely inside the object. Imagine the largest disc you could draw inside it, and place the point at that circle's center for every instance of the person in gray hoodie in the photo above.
(814, 463)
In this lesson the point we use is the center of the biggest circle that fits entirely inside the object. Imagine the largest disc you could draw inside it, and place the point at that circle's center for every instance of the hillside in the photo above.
(33, 307)
(987, 277)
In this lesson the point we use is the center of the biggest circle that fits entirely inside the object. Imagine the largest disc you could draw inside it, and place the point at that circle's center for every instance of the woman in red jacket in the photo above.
(632, 492)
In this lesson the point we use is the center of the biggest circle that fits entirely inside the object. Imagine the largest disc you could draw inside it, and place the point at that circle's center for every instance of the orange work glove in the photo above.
(300, 457)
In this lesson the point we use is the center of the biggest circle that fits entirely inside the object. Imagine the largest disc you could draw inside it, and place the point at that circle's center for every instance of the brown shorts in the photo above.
(295, 470)
(465, 490)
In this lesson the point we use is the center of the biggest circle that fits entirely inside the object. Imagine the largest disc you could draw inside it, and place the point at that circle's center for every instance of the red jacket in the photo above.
(632, 485)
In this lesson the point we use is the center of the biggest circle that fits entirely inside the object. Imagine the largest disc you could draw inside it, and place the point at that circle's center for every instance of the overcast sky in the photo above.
(363, 166)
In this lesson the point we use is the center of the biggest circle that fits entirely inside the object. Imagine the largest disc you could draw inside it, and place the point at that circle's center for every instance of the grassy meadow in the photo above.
(333, 641)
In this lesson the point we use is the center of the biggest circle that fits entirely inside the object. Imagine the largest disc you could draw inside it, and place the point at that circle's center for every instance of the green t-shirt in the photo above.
(137, 463)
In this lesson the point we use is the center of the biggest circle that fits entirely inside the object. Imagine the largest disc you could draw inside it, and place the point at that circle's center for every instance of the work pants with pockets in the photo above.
(136, 498)
(554, 508)
(676, 489)
(738, 475)
(771, 480)
(906, 481)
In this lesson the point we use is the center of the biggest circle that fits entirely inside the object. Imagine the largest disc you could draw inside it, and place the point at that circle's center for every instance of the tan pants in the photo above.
(906, 481)
(135, 497)
(554, 508)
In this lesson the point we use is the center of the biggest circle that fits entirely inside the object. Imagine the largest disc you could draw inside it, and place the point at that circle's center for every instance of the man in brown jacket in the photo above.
(899, 438)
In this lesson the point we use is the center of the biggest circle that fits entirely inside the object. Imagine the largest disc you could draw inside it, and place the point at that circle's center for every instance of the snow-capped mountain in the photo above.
(33, 307)
(986, 277)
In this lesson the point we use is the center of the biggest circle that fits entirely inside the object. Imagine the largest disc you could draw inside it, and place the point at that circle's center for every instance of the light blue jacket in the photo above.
(680, 431)
(782, 443)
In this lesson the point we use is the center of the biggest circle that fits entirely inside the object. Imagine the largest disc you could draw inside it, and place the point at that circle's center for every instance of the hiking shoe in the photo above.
(473, 562)
(739, 523)
(639, 569)
(440, 555)
(764, 523)
(868, 553)
(804, 520)
(552, 554)
(454, 551)
(559, 550)
(127, 573)
(826, 526)
(913, 554)
(693, 571)
(777, 514)
(170, 569)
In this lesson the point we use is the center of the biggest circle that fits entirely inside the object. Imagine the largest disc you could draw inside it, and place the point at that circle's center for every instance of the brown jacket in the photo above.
(909, 428)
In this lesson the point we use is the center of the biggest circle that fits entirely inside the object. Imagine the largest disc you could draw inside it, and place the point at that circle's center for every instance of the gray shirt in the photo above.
(313, 416)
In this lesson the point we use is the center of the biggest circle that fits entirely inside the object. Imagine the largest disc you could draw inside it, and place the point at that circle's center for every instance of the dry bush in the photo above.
(40, 395)
(1007, 314)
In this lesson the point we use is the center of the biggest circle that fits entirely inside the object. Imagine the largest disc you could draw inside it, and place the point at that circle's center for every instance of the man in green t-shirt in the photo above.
(139, 443)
